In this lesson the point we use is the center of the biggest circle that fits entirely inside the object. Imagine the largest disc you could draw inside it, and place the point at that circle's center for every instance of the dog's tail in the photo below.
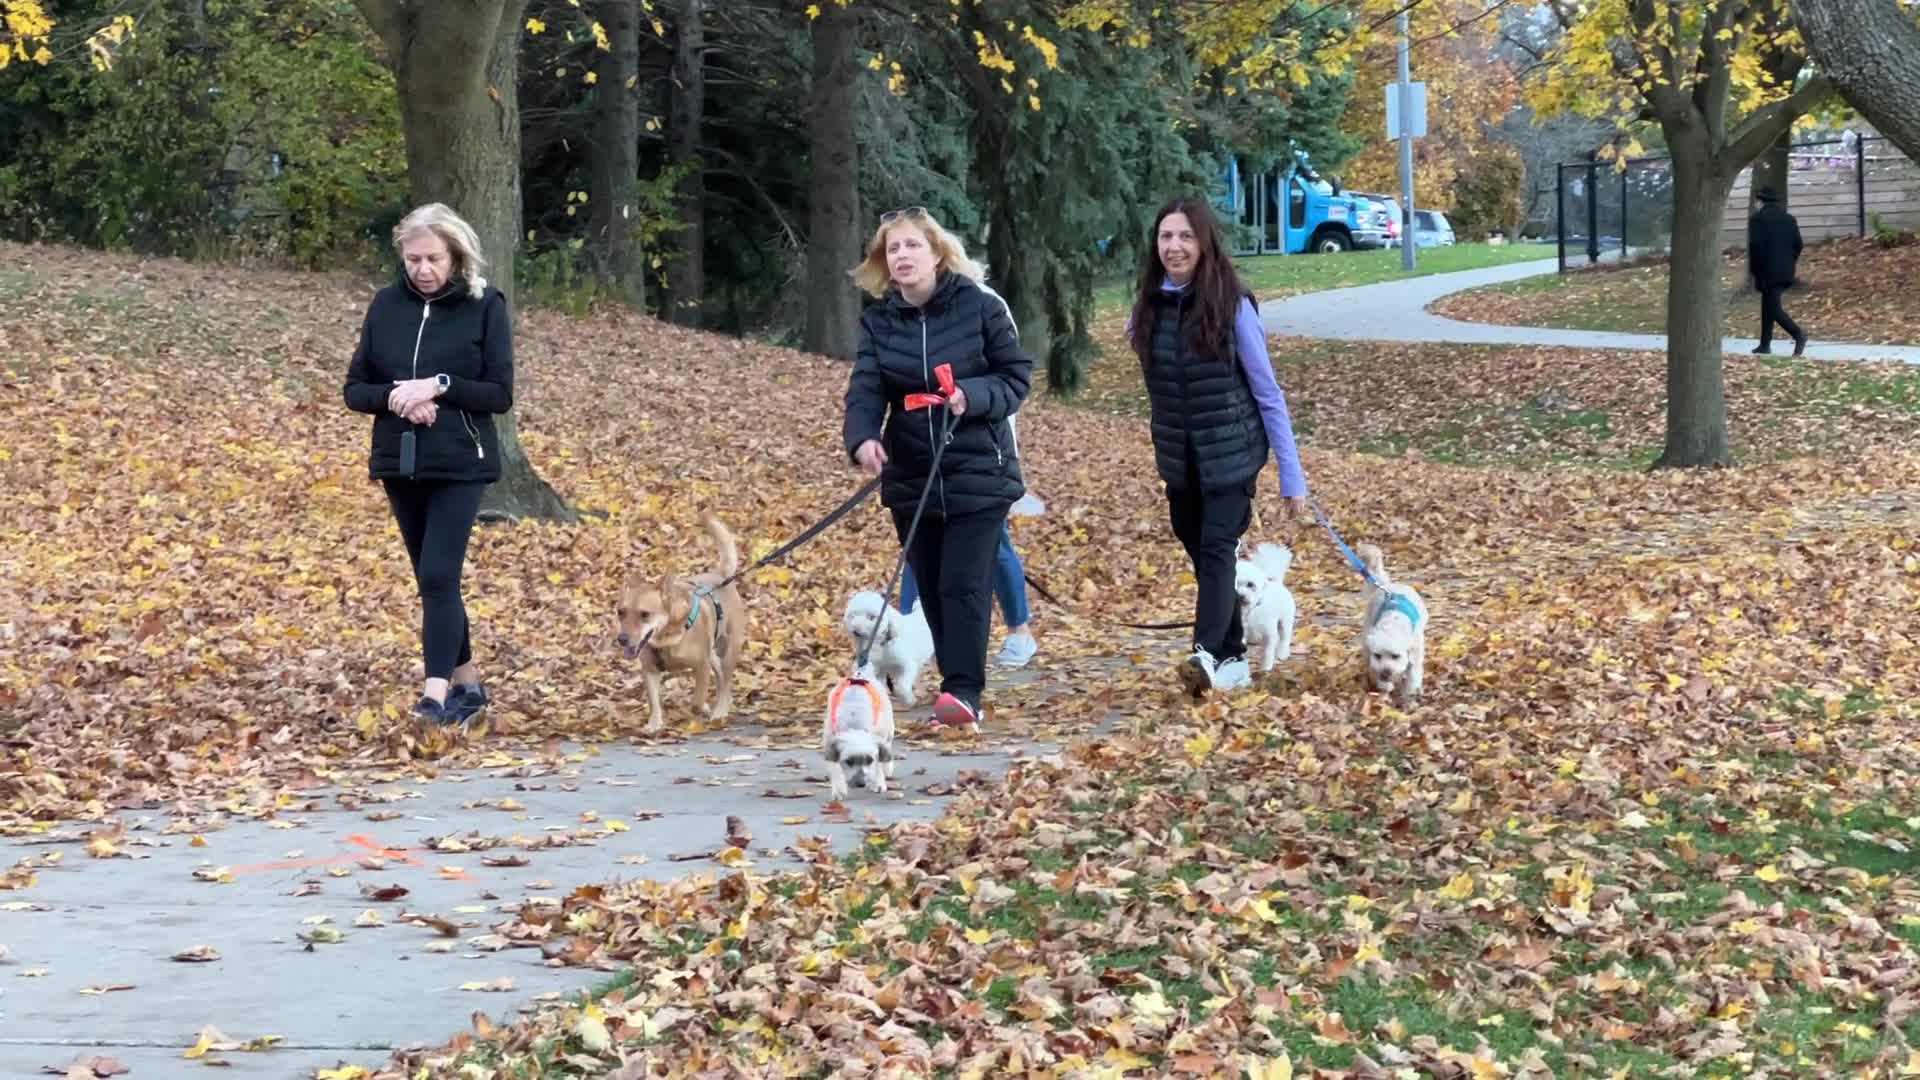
(1375, 561)
(1273, 560)
(723, 540)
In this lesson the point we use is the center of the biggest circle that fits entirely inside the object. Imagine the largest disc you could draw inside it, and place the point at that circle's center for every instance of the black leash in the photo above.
(813, 530)
(1055, 601)
(906, 543)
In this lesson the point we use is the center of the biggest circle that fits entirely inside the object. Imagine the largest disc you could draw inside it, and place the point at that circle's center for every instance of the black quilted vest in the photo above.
(1201, 404)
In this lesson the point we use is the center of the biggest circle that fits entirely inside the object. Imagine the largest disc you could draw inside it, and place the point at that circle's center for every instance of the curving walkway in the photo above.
(1397, 311)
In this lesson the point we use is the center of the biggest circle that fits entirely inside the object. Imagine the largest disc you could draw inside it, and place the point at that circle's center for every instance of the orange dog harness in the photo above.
(874, 695)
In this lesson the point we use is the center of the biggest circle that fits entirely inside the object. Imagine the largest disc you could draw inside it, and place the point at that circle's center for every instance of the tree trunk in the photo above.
(835, 239)
(455, 68)
(1871, 49)
(1774, 169)
(1696, 389)
(686, 274)
(618, 260)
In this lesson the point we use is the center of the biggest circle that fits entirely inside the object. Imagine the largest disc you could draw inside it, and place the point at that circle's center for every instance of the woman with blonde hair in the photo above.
(434, 366)
(930, 310)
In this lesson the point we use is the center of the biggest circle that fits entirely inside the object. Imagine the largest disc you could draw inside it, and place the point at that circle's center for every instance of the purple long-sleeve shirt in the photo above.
(1250, 335)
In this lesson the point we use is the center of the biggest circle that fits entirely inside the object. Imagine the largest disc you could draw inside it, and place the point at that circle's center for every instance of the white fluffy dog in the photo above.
(856, 735)
(1394, 632)
(1266, 604)
(905, 645)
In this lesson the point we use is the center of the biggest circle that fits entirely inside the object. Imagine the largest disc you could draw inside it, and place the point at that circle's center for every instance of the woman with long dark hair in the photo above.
(1217, 411)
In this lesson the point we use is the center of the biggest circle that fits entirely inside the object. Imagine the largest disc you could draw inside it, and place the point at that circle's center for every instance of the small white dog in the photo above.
(1266, 604)
(905, 646)
(1394, 633)
(856, 734)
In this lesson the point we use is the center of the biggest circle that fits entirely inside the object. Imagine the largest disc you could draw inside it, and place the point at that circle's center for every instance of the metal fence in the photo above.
(1835, 187)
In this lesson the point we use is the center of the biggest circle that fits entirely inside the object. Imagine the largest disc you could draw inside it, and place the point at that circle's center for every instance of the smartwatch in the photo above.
(441, 383)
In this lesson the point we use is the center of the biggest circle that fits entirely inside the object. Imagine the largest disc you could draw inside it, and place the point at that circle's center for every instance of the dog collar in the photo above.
(1401, 603)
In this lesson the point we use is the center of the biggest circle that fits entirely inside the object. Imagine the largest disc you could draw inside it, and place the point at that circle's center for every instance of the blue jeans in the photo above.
(1009, 583)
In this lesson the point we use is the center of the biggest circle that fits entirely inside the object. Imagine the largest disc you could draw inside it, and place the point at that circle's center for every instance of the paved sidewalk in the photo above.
(1397, 311)
(88, 962)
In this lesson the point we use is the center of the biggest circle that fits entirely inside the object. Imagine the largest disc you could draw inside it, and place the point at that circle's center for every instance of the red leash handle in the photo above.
(944, 376)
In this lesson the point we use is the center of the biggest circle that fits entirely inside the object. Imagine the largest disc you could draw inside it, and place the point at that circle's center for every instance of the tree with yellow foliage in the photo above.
(1707, 72)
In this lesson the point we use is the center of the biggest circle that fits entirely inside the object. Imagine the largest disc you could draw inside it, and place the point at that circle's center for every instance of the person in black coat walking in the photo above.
(1773, 249)
(434, 366)
(930, 310)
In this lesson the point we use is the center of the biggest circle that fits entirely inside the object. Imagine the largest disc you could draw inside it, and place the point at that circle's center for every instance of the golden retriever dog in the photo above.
(692, 625)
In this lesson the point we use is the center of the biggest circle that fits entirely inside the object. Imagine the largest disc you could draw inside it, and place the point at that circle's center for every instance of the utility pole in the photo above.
(1406, 152)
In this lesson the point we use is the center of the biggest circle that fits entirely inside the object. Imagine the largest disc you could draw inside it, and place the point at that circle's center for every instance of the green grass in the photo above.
(1271, 276)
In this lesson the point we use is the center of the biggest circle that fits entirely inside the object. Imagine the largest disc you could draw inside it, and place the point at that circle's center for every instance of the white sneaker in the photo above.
(1233, 674)
(1016, 651)
(1197, 673)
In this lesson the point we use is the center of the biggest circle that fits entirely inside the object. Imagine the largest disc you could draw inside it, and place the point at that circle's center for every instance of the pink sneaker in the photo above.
(950, 711)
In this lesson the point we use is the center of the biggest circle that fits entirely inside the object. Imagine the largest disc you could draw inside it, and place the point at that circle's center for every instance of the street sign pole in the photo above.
(1406, 153)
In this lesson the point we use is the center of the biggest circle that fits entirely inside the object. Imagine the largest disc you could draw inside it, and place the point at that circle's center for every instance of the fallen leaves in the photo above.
(493, 986)
(199, 954)
(88, 1068)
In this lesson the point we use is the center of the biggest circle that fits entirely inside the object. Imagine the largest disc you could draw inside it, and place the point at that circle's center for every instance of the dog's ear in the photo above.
(833, 751)
(678, 605)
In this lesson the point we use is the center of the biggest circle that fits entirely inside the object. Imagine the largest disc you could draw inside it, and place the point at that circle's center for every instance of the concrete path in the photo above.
(86, 954)
(1397, 311)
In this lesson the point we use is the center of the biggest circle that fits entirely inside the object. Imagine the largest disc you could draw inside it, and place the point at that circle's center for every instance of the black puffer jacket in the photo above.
(900, 345)
(409, 336)
(1201, 404)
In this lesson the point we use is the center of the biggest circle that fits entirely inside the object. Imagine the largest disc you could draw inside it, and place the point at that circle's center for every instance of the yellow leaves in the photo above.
(979, 936)
(535, 26)
(600, 40)
(813, 12)
(1768, 873)
(344, 1072)
(1199, 747)
(1458, 887)
(1049, 54)
(1280, 1068)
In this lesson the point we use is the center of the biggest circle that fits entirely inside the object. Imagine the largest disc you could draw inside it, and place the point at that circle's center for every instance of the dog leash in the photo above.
(1056, 602)
(812, 531)
(1359, 566)
(944, 373)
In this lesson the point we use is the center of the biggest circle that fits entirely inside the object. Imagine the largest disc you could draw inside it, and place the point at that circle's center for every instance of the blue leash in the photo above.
(1353, 560)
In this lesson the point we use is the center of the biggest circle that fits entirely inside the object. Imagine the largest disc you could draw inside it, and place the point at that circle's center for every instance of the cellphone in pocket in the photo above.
(407, 452)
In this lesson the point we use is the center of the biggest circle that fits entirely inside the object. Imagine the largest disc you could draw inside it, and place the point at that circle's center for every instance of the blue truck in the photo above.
(1292, 211)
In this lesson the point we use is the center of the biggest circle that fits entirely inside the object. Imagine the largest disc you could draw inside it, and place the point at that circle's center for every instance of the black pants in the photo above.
(952, 559)
(1209, 525)
(436, 520)
(1771, 312)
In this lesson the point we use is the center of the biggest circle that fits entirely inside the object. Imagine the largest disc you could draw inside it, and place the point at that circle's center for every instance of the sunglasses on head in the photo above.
(895, 215)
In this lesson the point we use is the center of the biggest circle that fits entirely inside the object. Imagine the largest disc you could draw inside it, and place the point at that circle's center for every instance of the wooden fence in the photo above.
(1826, 195)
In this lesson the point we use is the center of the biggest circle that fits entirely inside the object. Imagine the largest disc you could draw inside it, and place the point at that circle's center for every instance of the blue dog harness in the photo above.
(1401, 603)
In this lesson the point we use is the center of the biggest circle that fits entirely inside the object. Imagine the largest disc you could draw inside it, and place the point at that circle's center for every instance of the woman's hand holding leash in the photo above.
(957, 402)
(410, 392)
(1296, 507)
(871, 456)
(423, 413)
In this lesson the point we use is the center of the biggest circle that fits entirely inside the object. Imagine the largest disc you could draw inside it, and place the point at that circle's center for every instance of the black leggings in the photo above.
(952, 559)
(1209, 525)
(436, 519)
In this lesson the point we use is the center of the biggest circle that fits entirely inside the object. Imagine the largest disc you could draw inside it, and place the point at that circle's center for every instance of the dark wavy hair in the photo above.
(1217, 289)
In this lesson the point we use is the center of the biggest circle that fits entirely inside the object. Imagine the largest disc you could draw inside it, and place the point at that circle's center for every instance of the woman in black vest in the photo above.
(1217, 410)
(434, 366)
(930, 310)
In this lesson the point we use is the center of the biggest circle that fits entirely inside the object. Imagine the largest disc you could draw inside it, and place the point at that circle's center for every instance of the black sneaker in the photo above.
(433, 712)
(466, 701)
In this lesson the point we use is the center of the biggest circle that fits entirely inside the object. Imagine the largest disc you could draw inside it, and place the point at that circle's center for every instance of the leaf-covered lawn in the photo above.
(1274, 276)
(1849, 290)
(1521, 406)
(1656, 813)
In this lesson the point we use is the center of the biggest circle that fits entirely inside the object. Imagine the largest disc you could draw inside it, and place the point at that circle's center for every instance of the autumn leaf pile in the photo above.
(1656, 811)
(1848, 290)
